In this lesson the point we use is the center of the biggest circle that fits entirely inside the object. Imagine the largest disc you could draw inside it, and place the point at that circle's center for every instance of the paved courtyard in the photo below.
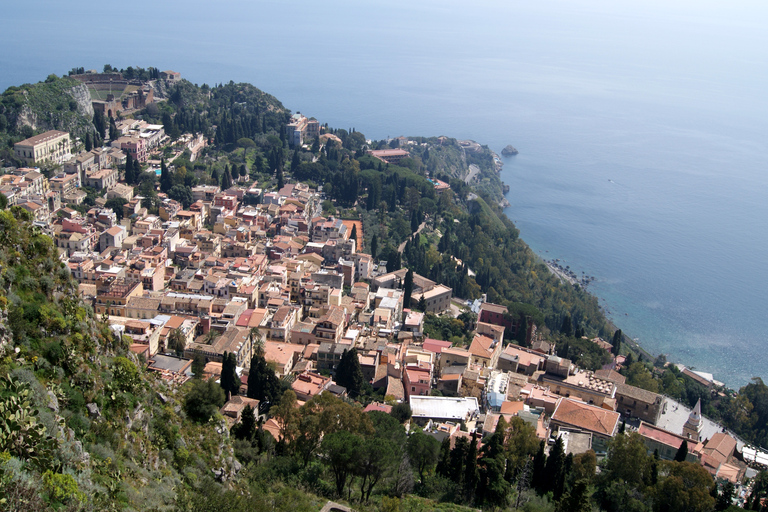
(674, 415)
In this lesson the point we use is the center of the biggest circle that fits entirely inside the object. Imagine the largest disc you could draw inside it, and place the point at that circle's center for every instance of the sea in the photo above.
(641, 124)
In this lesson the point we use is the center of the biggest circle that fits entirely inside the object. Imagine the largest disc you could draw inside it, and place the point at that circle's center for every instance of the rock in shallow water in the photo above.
(509, 150)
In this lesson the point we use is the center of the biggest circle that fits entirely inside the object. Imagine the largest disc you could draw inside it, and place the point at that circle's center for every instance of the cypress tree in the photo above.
(457, 459)
(349, 373)
(554, 471)
(538, 480)
(422, 306)
(263, 384)
(99, 124)
(130, 176)
(374, 246)
(470, 470)
(136, 170)
(617, 337)
(166, 182)
(682, 452)
(113, 133)
(566, 328)
(408, 288)
(88, 145)
(246, 429)
(444, 462)
(230, 382)
(280, 178)
(724, 497)
(226, 178)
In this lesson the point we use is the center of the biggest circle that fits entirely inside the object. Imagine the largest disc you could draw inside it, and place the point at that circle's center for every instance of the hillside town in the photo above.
(246, 271)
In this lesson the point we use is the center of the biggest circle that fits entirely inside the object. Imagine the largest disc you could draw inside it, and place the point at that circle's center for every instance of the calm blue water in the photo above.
(641, 126)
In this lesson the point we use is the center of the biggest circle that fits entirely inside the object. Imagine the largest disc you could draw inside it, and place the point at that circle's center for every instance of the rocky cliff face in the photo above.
(62, 104)
(160, 89)
(82, 96)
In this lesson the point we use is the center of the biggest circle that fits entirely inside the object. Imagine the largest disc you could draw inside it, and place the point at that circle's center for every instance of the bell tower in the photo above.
(692, 428)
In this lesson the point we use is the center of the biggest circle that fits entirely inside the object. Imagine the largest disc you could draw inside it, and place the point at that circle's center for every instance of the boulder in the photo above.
(93, 410)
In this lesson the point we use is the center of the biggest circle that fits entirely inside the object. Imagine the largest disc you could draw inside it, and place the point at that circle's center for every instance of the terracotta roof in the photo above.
(698, 378)
(664, 436)
(729, 472)
(436, 346)
(508, 407)
(494, 308)
(720, 447)
(375, 406)
(335, 316)
(236, 405)
(524, 358)
(639, 394)
(586, 417)
(481, 346)
(50, 134)
(611, 375)
(395, 388)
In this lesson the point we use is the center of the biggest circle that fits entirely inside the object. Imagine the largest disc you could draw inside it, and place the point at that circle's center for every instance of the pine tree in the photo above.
(349, 373)
(198, 366)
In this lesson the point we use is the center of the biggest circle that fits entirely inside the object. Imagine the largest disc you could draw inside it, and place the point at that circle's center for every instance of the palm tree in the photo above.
(255, 335)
